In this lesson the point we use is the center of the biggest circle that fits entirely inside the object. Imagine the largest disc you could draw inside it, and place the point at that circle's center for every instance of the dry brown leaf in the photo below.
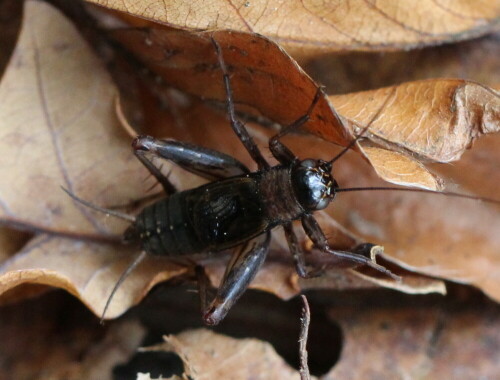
(87, 270)
(207, 355)
(11, 241)
(309, 27)
(477, 171)
(58, 128)
(434, 119)
(263, 77)
(417, 344)
(10, 19)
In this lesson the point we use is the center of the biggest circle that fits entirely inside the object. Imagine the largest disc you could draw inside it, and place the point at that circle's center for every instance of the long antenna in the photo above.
(107, 211)
(351, 144)
(122, 278)
(449, 193)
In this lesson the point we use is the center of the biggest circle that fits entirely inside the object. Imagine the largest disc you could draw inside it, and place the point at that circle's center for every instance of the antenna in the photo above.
(448, 193)
(351, 144)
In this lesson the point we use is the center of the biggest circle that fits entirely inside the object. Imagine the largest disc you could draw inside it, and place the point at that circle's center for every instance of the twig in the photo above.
(304, 330)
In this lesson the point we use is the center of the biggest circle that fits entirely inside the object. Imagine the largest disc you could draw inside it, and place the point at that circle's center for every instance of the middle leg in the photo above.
(298, 254)
(238, 127)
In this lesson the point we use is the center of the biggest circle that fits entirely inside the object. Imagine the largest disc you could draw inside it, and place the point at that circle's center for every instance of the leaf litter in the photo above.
(51, 213)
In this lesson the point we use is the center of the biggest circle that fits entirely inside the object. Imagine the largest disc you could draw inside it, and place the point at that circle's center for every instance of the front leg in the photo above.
(240, 272)
(279, 150)
(298, 254)
(313, 230)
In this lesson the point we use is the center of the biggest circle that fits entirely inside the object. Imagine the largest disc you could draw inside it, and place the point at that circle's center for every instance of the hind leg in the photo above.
(207, 163)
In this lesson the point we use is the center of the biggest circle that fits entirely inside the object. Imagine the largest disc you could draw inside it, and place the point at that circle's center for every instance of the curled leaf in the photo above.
(89, 271)
(400, 169)
(434, 119)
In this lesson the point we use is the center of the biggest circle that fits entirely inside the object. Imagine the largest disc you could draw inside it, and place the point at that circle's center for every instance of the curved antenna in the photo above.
(448, 193)
(106, 211)
(363, 131)
(122, 278)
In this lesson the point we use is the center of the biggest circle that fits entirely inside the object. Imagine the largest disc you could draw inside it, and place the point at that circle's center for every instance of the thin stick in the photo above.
(305, 320)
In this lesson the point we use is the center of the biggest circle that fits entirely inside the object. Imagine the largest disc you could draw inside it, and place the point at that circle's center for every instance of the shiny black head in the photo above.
(314, 184)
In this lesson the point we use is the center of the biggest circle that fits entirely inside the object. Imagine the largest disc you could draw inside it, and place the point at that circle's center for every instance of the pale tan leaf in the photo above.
(400, 169)
(411, 283)
(89, 271)
(434, 119)
(73, 141)
(58, 128)
(308, 27)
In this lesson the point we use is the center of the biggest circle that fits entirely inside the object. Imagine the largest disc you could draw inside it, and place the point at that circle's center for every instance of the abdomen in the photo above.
(213, 217)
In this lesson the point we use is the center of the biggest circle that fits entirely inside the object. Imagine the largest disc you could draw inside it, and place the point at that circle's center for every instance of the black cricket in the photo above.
(239, 208)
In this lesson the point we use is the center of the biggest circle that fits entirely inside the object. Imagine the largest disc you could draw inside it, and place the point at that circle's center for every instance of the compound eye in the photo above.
(309, 163)
(323, 203)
